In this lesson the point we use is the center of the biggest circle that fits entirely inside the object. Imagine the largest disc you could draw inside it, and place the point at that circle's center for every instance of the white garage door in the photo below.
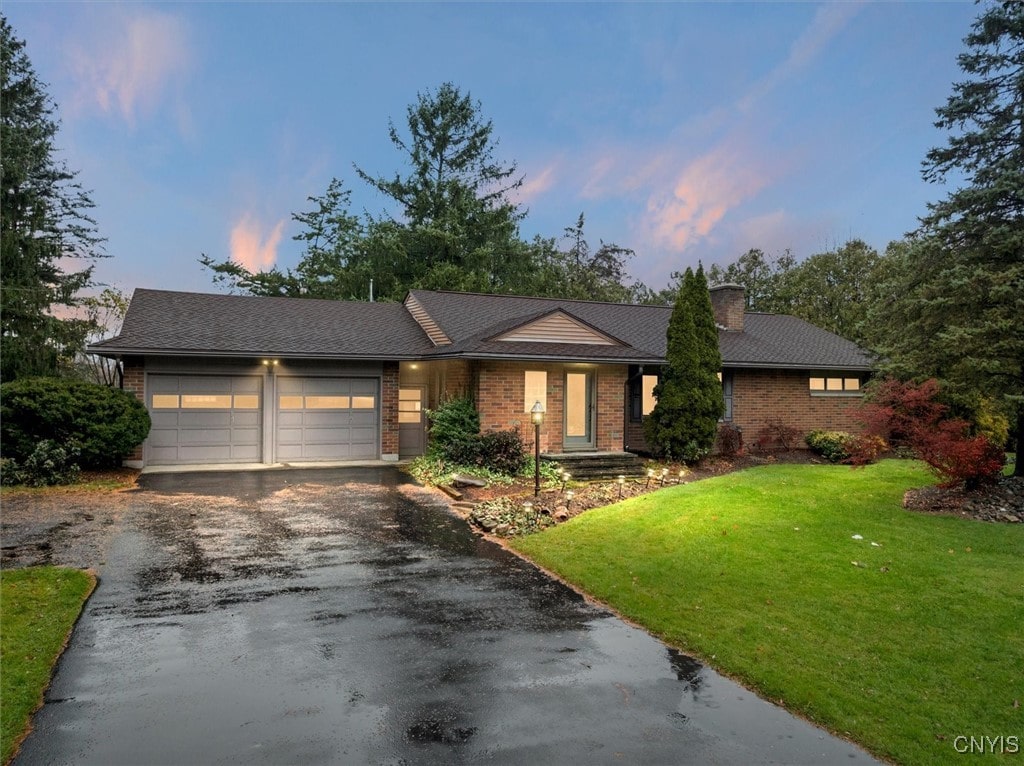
(327, 418)
(204, 419)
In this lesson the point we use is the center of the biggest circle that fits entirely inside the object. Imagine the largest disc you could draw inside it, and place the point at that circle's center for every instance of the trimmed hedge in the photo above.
(104, 424)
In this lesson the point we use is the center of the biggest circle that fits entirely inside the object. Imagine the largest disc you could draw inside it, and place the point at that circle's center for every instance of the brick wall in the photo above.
(458, 378)
(135, 382)
(635, 439)
(611, 407)
(761, 396)
(500, 389)
(389, 409)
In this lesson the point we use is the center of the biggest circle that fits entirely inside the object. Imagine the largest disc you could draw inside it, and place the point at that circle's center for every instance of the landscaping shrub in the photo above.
(958, 457)
(865, 449)
(454, 431)
(103, 423)
(834, 446)
(503, 452)
(50, 463)
(730, 440)
(776, 435)
(914, 414)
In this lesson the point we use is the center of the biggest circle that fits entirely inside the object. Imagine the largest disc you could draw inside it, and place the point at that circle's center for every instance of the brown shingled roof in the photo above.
(165, 322)
(181, 323)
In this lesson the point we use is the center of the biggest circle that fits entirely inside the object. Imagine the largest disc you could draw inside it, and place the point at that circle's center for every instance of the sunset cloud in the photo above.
(828, 21)
(250, 249)
(703, 192)
(129, 68)
(536, 184)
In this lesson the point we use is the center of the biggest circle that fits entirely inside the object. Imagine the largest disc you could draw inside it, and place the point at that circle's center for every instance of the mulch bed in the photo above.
(1001, 502)
(553, 505)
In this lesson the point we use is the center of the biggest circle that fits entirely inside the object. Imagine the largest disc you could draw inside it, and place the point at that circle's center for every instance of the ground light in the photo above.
(621, 481)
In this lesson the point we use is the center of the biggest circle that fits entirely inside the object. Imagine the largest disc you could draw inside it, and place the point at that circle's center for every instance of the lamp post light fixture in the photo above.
(621, 481)
(650, 475)
(568, 499)
(565, 478)
(537, 416)
(664, 473)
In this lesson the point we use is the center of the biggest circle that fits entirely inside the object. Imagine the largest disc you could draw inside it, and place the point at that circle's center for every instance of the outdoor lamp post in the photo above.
(537, 416)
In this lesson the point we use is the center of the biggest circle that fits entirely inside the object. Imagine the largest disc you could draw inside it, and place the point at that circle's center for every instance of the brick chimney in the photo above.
(728, 303)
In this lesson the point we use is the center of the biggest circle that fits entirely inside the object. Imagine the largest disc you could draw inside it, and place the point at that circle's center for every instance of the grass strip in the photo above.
(38, 608)
(812, 585)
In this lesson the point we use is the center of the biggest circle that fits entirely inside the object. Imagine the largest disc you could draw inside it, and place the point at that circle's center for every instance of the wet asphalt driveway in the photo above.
(344, 616)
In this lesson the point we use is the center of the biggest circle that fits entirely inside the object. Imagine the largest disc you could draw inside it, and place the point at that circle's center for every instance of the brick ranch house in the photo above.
(284, 380)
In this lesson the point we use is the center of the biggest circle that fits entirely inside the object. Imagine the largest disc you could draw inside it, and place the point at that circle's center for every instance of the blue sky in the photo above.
(687, 131)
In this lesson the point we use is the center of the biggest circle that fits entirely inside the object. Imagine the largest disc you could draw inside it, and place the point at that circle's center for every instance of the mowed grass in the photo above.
(902, 646)
(38, 607)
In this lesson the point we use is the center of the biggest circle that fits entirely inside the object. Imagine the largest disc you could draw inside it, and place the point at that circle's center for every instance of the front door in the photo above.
(579, 411)
(412, 431)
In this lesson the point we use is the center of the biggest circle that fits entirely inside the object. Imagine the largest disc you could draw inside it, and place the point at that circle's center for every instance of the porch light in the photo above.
(537, 416)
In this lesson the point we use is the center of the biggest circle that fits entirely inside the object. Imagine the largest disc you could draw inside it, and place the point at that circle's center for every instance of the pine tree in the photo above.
(684, 421)
(44, 220)
(952, 303)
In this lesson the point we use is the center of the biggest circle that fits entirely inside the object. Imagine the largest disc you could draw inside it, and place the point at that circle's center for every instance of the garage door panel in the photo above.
(206, 436)
(316, 419)
(326, 435)
(201, 419)
(189, 419)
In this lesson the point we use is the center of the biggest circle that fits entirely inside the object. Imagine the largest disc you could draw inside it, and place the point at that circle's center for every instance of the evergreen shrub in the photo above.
(105, 424)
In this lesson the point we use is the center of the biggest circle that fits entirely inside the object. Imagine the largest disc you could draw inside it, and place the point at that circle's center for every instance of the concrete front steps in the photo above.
(586, 466)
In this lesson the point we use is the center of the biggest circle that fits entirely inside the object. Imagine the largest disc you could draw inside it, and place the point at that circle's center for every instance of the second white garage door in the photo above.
(327, 419)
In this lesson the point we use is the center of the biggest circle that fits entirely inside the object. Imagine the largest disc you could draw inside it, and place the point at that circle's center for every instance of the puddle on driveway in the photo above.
(336, 616)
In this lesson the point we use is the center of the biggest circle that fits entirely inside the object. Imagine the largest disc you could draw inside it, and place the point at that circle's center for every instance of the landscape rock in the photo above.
(461, 480)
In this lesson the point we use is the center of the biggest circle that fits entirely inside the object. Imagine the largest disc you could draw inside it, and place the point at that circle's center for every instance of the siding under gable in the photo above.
(424, 320)
(558, 327)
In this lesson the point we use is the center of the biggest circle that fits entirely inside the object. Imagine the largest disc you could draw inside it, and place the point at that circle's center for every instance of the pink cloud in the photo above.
(248, 246)
(535, 185)
(128, 68)
(703, 192)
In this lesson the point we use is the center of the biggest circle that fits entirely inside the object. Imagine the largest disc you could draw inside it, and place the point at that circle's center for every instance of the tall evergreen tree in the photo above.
(952, 306)
(44, 221)
(460, 227)
(684, 421)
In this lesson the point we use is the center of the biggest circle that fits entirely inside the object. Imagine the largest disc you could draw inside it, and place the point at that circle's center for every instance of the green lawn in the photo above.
(38, 607)
(901, 646)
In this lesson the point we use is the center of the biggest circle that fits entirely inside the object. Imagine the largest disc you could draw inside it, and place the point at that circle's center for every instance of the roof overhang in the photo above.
(180, 353)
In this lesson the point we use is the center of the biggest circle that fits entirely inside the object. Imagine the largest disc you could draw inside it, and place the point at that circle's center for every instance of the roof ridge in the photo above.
(543, 298)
